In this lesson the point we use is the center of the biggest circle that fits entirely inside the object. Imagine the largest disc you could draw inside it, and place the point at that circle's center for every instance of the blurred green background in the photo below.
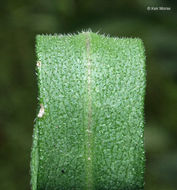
(20, 21)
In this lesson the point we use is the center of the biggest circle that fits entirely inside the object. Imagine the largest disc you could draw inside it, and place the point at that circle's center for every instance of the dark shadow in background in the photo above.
(20, 21)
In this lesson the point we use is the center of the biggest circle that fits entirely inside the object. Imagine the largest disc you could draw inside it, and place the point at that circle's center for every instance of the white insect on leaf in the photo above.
(38, 63)
(41, 111)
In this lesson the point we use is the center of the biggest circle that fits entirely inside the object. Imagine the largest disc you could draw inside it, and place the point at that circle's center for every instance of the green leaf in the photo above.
(89, 131)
